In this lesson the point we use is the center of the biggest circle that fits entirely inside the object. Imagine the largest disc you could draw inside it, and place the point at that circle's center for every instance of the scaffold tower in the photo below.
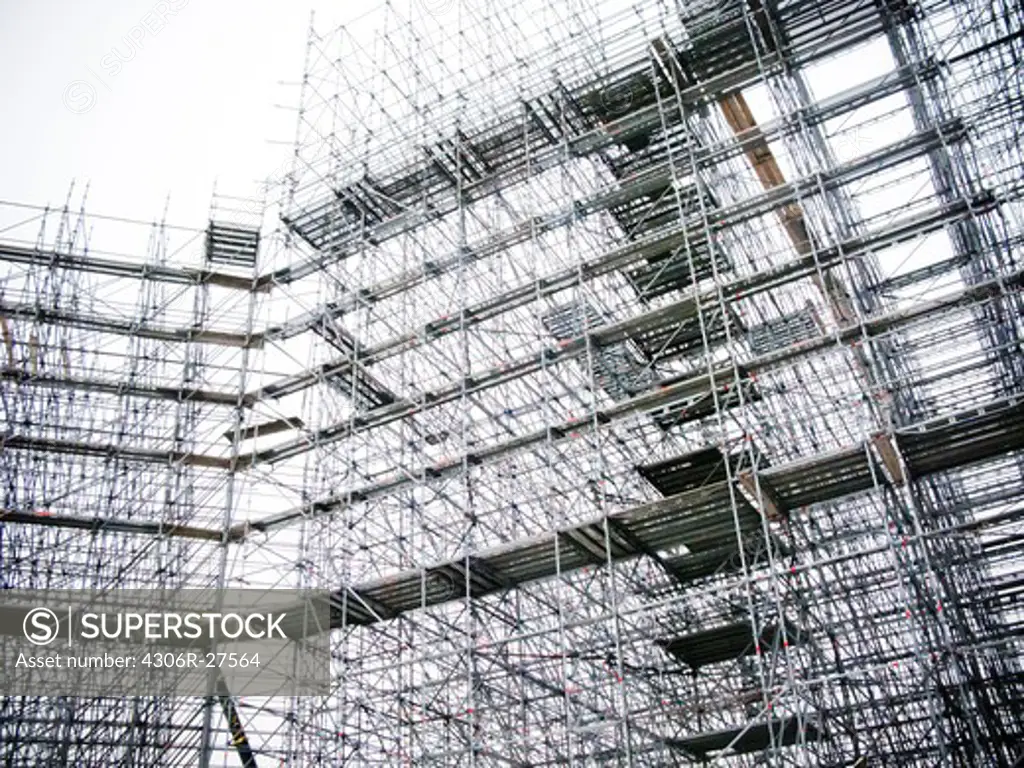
(643, 379)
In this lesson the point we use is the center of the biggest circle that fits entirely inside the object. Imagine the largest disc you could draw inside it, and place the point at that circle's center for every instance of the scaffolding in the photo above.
(643, 379)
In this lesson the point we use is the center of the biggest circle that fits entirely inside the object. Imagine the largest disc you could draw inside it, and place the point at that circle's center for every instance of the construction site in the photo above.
(642, 378)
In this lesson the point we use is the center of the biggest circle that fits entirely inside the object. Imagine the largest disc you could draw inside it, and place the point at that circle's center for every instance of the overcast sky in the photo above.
(144, 99)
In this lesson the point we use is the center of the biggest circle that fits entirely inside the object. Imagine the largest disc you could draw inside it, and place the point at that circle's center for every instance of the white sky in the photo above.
(193, 104)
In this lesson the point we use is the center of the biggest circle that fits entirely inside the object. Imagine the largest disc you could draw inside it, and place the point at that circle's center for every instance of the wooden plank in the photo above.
(761, 495)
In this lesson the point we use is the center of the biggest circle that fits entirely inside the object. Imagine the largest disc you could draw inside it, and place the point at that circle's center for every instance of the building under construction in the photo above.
(643, 379)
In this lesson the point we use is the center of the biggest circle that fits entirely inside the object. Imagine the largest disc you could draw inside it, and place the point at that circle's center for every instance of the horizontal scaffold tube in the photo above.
(151, 392)
(110, 525)
(35, 313)
(111, 451)
(129, 269)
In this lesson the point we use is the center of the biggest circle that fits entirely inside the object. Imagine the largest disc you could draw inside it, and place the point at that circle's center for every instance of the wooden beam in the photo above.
(738, 115)
(762, 496)
(890, 457)
(33, 352)
(47, 519)
(8, 340)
